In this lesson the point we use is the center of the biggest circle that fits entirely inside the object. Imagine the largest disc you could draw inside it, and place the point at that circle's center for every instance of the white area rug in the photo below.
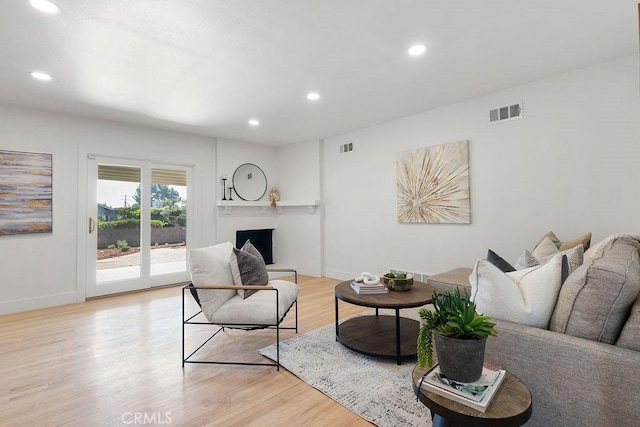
(376, 389)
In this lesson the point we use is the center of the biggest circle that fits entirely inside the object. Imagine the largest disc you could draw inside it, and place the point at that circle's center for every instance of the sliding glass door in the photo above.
(137, 235)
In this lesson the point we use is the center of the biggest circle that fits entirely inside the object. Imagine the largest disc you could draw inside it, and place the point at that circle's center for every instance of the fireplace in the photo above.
(261, 239)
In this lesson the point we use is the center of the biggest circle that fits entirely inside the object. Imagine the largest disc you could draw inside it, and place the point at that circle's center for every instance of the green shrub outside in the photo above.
(123, 245)
(122, 224)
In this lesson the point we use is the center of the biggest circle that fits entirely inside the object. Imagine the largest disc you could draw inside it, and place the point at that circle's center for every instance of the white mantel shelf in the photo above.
(264, 206)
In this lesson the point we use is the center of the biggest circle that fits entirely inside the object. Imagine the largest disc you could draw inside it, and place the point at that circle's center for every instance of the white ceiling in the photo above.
(208, 66)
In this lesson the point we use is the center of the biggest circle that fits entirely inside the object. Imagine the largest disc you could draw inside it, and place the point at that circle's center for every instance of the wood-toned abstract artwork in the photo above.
(433, 184)
(25, 192)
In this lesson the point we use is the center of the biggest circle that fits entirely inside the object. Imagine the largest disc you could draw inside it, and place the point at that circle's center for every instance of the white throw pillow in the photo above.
(210, 266)
(524, 296)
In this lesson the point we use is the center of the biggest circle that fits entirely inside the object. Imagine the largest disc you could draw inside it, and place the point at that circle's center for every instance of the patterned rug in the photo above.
(376, 389)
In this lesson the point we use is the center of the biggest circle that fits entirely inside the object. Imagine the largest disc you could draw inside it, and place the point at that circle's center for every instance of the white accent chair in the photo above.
(222, 306)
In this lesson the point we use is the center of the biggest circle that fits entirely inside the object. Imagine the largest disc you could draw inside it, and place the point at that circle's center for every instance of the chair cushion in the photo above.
(524, 296)
(248, 268)
(596, 298)
(210, 266)
(260, 309)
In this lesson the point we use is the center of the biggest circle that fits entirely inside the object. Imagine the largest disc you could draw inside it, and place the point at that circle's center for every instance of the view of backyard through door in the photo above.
(140, 230)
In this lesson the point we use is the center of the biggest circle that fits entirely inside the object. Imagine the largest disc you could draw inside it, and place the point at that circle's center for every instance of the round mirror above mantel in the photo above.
(249, 182)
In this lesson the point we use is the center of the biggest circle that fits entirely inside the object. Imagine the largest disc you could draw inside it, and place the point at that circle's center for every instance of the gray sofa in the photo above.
(584, 370)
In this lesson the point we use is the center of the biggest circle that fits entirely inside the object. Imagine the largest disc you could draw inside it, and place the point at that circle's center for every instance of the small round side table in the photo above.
(511, 406)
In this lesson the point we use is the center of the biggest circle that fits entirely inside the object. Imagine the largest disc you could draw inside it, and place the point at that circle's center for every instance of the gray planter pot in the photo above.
(460, 360)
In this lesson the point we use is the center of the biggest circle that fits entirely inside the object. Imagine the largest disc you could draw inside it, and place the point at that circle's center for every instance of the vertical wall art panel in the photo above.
(25, 192)
(433, 184)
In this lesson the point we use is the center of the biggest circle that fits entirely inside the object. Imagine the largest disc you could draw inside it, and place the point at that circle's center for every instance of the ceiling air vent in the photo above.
(508, 112)
(345, 148)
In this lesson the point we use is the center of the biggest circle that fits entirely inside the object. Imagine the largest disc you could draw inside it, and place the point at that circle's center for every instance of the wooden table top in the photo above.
(511, 406)
(419, 294)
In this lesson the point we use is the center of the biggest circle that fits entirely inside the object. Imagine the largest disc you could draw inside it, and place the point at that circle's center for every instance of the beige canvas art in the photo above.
(433, 184)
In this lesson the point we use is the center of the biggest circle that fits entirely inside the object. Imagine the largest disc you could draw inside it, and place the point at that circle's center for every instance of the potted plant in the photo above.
(459, 333)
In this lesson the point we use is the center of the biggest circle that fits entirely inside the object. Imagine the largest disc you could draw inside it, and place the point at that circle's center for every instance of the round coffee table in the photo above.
(510, 407)
(381, 335)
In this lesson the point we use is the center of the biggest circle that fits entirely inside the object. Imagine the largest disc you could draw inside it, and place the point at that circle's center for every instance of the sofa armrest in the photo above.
(450, 280)
(573, 381)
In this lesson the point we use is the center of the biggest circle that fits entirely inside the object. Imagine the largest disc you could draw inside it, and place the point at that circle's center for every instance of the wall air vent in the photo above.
(509, 112)
(345, 148)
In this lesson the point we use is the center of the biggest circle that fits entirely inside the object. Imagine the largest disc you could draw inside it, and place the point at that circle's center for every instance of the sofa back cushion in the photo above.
(630, 335)
(596, 298)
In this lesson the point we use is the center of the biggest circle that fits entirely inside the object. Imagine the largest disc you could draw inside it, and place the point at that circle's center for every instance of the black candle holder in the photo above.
(231, 192)
(224, 188)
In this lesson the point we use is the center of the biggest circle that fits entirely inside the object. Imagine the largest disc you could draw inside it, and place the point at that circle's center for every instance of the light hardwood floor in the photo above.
(117, 361)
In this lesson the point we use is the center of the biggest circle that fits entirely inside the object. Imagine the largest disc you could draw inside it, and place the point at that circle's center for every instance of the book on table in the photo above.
(477, 395)
(364, 289)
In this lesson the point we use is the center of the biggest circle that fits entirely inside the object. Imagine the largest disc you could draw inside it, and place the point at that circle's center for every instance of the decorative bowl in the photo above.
(398, 285)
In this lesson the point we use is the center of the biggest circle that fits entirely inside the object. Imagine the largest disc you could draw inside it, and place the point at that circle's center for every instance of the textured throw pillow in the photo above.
(248, 268)
(499, 262)
(525, 296)
(526, 260)
(545, 251)
(584, 240)
(544, 248)
(210, 266)
(595, 300)
(551, 236)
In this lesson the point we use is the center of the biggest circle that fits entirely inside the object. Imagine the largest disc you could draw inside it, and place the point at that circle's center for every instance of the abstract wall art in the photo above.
(433, 184)
(25, 192)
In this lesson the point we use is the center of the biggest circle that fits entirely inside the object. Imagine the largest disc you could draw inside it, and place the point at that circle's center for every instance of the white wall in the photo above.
(40, 270)
(299, 179)
(570, 165)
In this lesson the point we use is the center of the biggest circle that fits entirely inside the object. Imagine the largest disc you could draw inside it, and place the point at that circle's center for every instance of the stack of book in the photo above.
(363, 289)
(476, 395)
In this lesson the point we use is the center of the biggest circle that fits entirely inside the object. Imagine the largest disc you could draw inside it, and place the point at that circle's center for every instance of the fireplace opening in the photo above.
(261, 239)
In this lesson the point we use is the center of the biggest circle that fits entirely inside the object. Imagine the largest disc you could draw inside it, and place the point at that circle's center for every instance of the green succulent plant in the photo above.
(454, 316)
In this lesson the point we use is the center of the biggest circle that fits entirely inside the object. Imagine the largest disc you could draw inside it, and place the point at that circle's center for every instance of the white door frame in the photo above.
(86, 286)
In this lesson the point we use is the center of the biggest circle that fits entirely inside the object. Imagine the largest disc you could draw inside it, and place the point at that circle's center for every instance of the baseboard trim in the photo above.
(28, 304)
(339, 275)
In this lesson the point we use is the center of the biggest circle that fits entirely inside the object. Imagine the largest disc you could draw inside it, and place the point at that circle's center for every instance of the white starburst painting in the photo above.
(433, 184)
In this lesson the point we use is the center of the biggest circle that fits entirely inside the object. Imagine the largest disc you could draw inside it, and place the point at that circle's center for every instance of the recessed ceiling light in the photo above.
(45, 6)
(254, 122)
(313, 96)
(40, 75)
(417, 50)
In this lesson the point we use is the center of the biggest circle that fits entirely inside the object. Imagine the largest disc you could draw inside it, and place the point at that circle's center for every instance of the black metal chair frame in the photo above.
(247, 327)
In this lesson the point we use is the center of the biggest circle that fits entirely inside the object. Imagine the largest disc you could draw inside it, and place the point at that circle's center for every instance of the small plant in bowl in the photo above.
(398, 281)
(457, 327)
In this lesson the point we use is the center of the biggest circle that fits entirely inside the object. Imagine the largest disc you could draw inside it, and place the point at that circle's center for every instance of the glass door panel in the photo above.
(118, 223)
(168, 225)
(117, 239)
